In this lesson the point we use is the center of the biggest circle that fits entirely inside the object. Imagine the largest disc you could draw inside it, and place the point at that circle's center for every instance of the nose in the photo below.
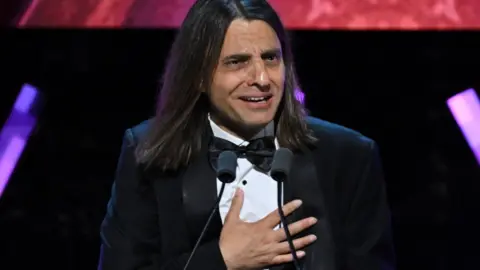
(259, 76)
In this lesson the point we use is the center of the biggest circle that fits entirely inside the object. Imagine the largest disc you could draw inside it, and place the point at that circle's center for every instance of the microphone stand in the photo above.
(285, 225)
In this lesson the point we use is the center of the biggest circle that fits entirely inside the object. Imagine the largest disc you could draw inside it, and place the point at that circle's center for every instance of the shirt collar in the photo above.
(268, 131)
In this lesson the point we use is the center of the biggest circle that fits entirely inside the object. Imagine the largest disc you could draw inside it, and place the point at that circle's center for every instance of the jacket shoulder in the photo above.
(337, 135)
(138, 131)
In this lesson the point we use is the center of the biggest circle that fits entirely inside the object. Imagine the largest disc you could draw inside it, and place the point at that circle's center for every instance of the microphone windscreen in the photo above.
(227, 167)
(282, 162)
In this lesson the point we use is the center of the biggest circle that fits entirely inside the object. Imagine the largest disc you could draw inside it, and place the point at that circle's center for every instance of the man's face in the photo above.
(249, 78)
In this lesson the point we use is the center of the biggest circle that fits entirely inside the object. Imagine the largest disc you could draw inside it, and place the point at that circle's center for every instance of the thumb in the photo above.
(236, 206)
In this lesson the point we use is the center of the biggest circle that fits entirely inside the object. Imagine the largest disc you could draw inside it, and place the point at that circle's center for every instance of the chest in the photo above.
(186, 201)
(260, 193)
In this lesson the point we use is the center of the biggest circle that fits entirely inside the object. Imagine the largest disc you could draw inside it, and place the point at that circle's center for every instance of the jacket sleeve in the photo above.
(368, 227)
(130, 232)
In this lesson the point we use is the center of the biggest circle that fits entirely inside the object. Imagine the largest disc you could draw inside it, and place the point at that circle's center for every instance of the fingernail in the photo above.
(313, 220)
(300, 253)
(297, 203)
(312, 237)
(238, 192)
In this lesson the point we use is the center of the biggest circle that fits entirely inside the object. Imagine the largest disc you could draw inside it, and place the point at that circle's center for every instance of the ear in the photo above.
(204, 88)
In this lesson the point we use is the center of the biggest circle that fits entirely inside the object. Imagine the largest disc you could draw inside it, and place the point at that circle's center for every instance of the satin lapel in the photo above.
(199, 194)
(303, 184)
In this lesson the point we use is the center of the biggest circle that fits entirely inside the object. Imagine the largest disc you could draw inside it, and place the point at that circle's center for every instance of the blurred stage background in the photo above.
(391, 86)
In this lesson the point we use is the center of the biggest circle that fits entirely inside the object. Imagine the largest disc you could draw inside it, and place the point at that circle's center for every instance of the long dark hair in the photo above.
(176, 132)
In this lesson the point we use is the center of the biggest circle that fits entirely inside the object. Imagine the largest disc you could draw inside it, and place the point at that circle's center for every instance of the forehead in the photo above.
(249, 37)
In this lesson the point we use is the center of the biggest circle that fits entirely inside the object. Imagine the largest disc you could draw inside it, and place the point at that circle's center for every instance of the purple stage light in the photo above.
(9, 159)
(465, 108)
(15, 133)
(299, 95)
(25, 98)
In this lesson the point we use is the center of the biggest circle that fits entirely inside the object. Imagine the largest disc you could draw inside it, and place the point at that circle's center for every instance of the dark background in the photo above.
(391, 86)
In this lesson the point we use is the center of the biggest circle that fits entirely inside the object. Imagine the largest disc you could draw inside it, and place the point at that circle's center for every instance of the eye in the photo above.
(271, 58)
(233, 62)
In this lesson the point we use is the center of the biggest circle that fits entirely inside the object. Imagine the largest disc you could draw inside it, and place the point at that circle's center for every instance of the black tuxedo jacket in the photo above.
(153, 219)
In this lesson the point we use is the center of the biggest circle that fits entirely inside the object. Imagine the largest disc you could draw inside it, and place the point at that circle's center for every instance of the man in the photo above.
(230, 81)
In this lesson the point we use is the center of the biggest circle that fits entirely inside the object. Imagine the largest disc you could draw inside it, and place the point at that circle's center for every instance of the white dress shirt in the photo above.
(259, 188)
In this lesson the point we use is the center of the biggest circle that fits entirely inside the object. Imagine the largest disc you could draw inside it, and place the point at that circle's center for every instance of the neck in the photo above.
(240, 131)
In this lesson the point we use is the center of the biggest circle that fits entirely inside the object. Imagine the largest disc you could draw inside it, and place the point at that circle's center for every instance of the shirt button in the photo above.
(244, 182)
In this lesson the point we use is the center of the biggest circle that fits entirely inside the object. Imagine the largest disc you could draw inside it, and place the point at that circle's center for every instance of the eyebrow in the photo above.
(246, 56)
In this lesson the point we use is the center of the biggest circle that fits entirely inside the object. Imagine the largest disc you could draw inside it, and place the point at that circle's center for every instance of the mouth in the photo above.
(256, 99)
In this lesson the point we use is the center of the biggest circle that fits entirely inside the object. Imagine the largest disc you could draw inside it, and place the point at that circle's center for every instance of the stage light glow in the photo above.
(465, 108)
(298, 14)
(9, 159)
(15, 133)
(299, 95)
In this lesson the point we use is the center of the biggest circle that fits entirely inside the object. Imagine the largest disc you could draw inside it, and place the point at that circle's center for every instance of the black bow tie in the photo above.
(259, 151)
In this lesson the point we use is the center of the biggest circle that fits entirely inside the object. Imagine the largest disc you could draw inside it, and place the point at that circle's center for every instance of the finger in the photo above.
(236, 206)
(299, 243)
(295, 228)
(285, 258)
(273, 219)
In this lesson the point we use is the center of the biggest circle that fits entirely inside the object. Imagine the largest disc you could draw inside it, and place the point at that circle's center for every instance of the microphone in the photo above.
(282, 162)
(226, 173)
